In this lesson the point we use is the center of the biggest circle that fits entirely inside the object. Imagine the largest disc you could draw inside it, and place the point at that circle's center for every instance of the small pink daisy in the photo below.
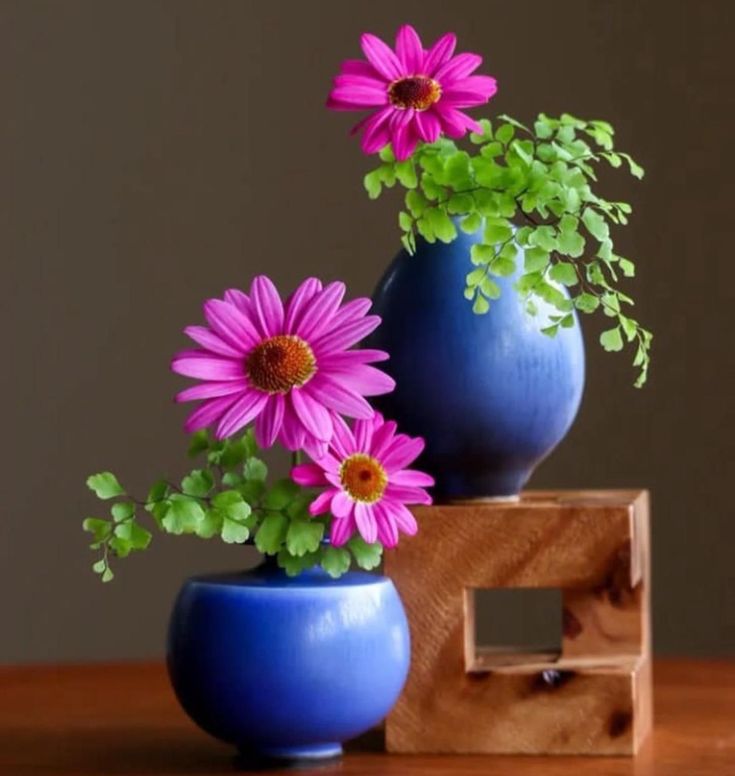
(367, 485)
(415, 94)
(286, 366)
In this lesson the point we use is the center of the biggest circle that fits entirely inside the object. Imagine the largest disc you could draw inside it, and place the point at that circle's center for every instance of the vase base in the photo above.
(248, 757)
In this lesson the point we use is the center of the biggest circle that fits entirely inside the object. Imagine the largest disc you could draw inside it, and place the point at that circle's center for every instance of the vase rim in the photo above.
(271, 579)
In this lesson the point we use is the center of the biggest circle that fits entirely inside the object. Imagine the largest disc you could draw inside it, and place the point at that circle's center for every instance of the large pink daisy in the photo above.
(367, 484)
(415, 94)
(286, 366)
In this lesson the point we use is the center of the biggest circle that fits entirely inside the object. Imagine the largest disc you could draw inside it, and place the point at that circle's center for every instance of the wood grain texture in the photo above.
(594, 696)
(123, 720)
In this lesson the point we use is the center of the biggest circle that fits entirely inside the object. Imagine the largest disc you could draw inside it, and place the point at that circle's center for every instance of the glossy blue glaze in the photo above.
(288, 667)
(491, 395)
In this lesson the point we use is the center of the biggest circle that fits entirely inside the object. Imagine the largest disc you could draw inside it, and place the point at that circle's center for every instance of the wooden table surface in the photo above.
(123, 719)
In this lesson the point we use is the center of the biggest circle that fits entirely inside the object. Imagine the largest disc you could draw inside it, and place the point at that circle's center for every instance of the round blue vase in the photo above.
(288, 667)
(491, 394)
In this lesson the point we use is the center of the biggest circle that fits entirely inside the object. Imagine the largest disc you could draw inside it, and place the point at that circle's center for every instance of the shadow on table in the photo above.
(142, 752)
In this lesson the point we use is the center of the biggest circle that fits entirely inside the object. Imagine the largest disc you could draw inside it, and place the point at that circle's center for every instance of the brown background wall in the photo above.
(155, 153)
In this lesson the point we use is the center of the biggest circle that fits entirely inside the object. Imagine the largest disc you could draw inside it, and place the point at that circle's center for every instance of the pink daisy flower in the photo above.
(367, 486)
(286, 366)
(415, 94)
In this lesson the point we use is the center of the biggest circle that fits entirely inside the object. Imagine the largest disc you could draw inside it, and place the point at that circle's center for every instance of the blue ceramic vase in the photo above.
(490, 393)
(288, 667)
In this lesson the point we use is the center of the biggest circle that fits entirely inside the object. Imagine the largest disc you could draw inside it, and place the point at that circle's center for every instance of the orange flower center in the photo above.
(363, 477)
(418, 92)
(280, 363)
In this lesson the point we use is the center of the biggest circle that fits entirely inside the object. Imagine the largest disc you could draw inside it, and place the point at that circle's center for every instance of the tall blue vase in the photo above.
(288, 667)
(490, 393)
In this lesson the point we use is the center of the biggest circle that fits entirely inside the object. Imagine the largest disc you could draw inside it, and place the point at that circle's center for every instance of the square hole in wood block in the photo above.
(512, 626)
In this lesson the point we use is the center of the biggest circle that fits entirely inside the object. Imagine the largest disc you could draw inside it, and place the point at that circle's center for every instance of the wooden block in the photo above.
(591, 697)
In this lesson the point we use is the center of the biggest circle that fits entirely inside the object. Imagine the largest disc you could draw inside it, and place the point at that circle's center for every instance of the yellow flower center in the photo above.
(280, 363)
(418, 92)
(363, 477)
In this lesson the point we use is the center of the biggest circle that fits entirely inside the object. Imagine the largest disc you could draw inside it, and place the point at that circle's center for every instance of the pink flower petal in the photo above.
(380, 56)
(428, 126)
(368, 82)
(401, 118)
(208, 368)
(314, 416)
(292, 431)
(341, 531)
(212, 390)
(376, 135)
(455, 122)
(330, 392)
(345, 360)
(410, 50)
(313, 447)
(332, 477)
(345, 336)
(240, 300)
(439, 53)
(321, 503)
(364, 380)
(352, 311)
(358, 67)
(355, 308)
(343, 440)
(342, 505)
(364, 435)
(387, 527)
(231, 325)
(330, 464)
(210, 341)
(356, 98)
(458, 67)
(365, 521)
(207, 413)
(407, 495)
(378, 421)
(299, 302)
(404, 141)
(411, 478)
(268, 423)
(383, 438)
(405, 520)
(200, 353)
(310, 475)
(403, 451)
(318, 316)
(268, 305)
(240, 414)
(465, 93)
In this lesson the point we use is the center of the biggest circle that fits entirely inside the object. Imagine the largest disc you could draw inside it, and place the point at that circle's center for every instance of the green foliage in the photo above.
(295, 564)
(530, 189)
(122, 510)
(183, 514)
(367, 556)
(281, 494)
(129, 536)
(105, 485)
(198, 483)
(612, 339)
(303, 536)
(272, 533)
(335, 561)
(226, 496)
